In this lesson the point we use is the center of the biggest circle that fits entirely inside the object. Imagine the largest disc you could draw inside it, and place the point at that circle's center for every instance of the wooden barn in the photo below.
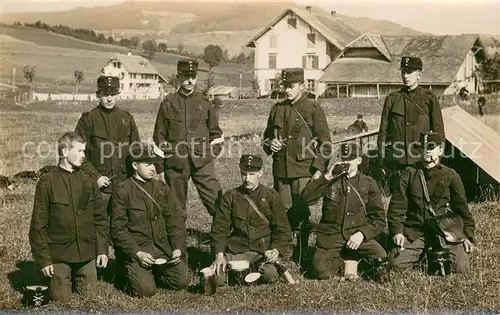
(369, 65)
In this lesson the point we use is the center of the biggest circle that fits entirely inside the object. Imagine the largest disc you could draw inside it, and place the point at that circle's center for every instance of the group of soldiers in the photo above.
(104, 190)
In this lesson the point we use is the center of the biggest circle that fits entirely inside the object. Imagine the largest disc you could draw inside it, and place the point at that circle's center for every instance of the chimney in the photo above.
(332, 13)
(308, 8)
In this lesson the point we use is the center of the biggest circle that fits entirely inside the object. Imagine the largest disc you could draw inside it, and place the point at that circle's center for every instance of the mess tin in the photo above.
(238, 270)
(36, 295)
(208, 285)
(252, 278)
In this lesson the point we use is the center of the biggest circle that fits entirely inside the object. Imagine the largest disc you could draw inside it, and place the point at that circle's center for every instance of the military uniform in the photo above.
(407, 213)
(138, 224)
(241, 233)
(69, 229)
(358, 126)
(405, 115)
(297, 161)
(344, 213)
(108, 134)
(184, 129)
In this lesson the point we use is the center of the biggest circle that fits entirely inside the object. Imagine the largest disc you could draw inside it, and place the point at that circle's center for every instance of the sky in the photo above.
(436, 17)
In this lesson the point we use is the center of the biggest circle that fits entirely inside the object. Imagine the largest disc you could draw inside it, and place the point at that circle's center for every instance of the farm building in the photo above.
(317, 38)
(471, 149)
(225, 92)
(369, 66)
(139, 79)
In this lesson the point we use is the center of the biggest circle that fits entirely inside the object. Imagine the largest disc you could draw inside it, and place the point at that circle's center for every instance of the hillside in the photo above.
(185, 18)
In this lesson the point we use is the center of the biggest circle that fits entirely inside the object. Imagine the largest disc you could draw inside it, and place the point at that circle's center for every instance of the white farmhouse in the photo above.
(306, 38)
(139, 79)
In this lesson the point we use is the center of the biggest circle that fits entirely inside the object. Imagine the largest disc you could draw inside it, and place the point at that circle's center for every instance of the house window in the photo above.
(311, 40)
(310, 62)
(292, 22)
(130, 85)
(272, 41)
(310, 85)
(272, 61)
(122, 76)
(121, 86)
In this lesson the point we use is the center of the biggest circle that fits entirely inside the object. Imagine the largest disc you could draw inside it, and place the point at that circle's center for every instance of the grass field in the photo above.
(412, 292)
(56, 57)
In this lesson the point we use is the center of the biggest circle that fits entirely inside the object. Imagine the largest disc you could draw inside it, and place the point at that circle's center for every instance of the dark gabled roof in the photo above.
(442, 57)
(371, 41)
(335, 29)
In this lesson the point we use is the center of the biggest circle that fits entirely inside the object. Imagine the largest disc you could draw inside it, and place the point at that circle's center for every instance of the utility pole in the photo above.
(239, 92)
(13, 79)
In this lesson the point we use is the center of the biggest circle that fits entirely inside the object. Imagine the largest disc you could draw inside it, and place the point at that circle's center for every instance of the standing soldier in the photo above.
(298, 138)
(353, 216)
(69, 226)
(146, 225)
(108, 132)
(406, 114)
(185, 127)
(409, 209)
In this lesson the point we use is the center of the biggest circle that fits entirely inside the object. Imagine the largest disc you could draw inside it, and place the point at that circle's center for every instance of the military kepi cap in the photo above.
(108, 84)
(142, 152)
(251, 162)
(292, 75)
(430, 140)
(187, 66)
(350, 151)
(411, 63)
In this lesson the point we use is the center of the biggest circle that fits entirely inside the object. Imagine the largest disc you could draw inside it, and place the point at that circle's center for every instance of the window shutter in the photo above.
(316, 62)
(304, 62)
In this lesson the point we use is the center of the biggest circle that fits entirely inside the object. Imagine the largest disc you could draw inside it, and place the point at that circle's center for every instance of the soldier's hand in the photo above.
(101, 261)
(276, 145)
(103, 181)
(176, 257)
(272, 255)
(399, 240)
(468, 246)
(144, 259)
(219, 263)
(48, 271)
(317, 175)
(355, 240)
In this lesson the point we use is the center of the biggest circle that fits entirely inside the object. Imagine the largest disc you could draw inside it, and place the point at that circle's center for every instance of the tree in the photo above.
(29, 75)
(209, 82)
(149, 48)
(180, 48)
(78, 79)
(134, 42)
(212, 55)
(162, 47)
(225, 55)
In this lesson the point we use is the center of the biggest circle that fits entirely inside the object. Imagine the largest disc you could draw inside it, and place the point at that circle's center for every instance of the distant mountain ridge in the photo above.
(186, 18)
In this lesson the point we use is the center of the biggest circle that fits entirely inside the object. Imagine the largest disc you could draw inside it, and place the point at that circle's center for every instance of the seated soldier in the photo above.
(352, 216)
(407, 214)
(147, 226)
(357, 127)
(69, 226)
(251, 222)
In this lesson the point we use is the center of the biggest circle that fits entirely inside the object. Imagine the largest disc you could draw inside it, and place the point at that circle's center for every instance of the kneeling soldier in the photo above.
(148, 227)
(408, 212)
(352, 216)
(69, 226)
(250, 224)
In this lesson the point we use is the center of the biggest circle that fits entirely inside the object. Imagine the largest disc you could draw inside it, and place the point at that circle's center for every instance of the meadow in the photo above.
(22, 130)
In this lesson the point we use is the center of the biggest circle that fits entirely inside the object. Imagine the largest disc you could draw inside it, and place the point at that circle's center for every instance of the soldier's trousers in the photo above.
(143, 282)
(329, 262)
(412, 254)
(268, 271)
(82, 276)
(203, 178)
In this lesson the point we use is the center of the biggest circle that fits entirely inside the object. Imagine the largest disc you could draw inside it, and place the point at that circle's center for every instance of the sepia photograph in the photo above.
(275, 157)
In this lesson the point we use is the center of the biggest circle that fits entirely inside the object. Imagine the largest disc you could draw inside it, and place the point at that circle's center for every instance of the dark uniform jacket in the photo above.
(297, 159)
(343, 212)
(407, 213)
(357, 127)
(69, 222)
(137, 223)
(191, 121)
(237, 228)
(114, 130)
(404, 117)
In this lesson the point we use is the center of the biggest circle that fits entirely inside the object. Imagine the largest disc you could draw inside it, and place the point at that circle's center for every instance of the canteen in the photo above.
(36, 295)
(238, 270)
(207, 281)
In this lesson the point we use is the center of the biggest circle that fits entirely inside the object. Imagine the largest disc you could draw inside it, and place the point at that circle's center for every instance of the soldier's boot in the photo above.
(300, 252)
